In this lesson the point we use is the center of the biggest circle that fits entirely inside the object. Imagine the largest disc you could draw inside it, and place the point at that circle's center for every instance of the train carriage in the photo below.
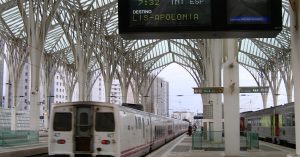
(135, 132)
(94, 129)
(287, 125)
(275, 124)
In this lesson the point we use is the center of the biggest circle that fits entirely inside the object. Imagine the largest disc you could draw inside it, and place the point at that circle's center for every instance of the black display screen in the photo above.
(249, 11)
(166, 13)
(165, 19)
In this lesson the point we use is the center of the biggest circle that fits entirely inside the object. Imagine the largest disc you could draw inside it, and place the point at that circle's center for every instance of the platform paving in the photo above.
(182, 147)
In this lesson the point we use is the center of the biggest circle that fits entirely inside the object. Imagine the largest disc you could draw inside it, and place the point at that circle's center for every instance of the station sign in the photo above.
(254, 89)
(211, 90)
(146, 19)
(208, 90)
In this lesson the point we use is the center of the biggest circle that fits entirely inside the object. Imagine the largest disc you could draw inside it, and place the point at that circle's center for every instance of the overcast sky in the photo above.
(181, 83)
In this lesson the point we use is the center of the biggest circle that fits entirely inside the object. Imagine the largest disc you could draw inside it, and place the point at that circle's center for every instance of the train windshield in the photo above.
(105, 122)
(62, 121)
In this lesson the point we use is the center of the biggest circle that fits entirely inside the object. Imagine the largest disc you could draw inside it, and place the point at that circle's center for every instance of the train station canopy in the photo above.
(95, 22)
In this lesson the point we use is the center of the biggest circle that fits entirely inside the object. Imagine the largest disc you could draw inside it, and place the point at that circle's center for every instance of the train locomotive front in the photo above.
(83, 129)
(94, 129)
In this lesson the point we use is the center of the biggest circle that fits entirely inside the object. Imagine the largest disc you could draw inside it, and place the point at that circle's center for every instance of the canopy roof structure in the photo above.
(90, 23)
(80, 39)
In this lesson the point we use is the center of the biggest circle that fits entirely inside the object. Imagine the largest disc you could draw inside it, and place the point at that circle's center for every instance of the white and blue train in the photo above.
(95, 129)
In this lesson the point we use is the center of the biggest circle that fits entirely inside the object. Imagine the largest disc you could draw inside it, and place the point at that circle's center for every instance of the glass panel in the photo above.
(18, 137)
(84, 121)
(252, 140)
(62, 122)
(208, 140)
(105, 121)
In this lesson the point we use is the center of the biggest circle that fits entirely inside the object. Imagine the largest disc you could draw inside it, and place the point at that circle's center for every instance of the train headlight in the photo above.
(105, 142)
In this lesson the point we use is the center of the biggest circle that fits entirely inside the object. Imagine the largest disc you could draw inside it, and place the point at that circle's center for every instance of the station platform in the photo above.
(182, 147)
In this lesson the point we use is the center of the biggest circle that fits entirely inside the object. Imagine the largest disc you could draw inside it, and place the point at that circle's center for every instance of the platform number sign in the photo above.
(208, 90)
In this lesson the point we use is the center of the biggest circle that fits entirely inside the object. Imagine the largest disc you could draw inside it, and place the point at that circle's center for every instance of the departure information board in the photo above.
(166, 13)
(249, 11)
(164, 19)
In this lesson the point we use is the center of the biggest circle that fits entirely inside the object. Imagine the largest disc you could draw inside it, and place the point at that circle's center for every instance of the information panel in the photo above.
(165, 19)
(254, 89)
(208, 90)
(249, 11)
(167, 13)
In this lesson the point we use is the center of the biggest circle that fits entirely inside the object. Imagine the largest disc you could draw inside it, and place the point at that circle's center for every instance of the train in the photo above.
(274, 124)
(98, 129)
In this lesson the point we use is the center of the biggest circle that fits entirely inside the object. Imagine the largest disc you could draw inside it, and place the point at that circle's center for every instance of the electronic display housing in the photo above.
(221, 21)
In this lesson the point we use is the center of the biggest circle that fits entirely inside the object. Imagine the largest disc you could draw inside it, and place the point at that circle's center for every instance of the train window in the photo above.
(293, 119)
(143, 128)
(283, 120)
(62, 121)
(136, 125)
(288, 120)
(139, 123)
(105, 121)
(169, 129)
(84, 121)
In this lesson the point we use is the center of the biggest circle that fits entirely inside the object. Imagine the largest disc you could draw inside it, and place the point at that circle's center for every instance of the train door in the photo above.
(148, 131)
(242, 125)
(275, 125)
(272, 125)
(205, 130)
(144, 129)
(277, 130)
(83, 130)
(211, 131)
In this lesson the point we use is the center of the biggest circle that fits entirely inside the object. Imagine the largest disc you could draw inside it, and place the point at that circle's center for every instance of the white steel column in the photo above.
(34, 88)
(295, 37)
(216, 54)
(82, 74)
(37, 25)
(231, 100)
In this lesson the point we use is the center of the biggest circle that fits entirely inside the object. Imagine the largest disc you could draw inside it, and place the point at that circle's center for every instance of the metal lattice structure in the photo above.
(83, 36)
(269, 59)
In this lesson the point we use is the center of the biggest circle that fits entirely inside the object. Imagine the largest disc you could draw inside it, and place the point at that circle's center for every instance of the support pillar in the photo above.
(231, 100)
(295, 39)
(34, 88)
(82, 78)
(217, 53)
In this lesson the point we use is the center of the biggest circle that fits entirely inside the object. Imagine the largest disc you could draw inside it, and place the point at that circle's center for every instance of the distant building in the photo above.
(159, 93)
(98, 91)
(58, 92)
(159, 98)
(23, 89)
(116, 94)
